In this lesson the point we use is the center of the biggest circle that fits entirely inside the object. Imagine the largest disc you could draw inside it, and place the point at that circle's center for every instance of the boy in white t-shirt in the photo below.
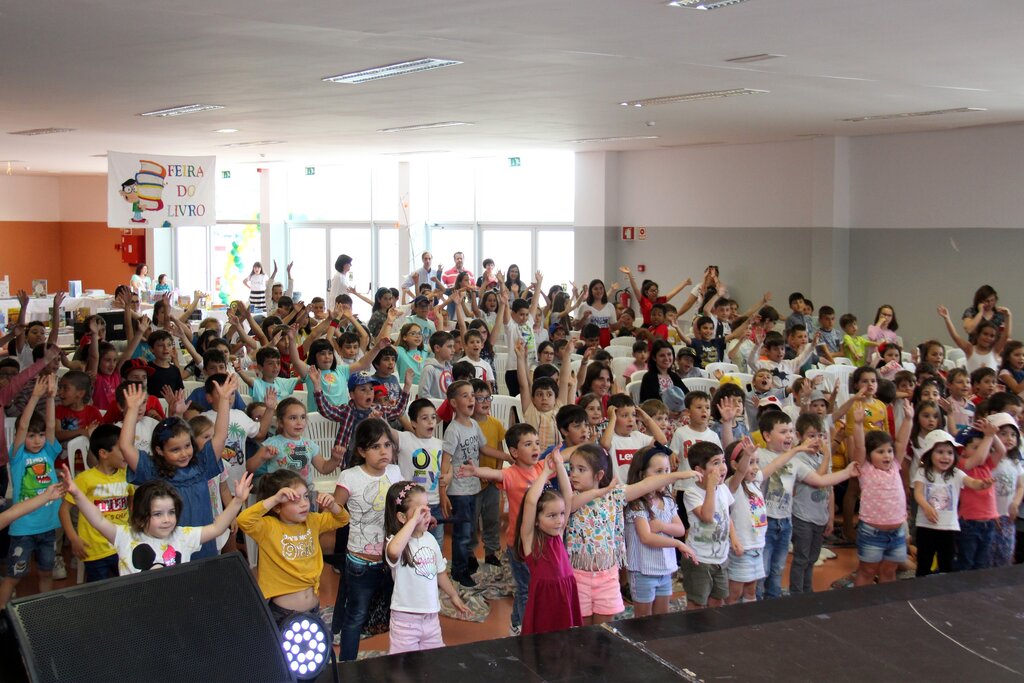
(698, 407)
(622, 439)
(419, 456)
(240, 428)
(520, 322)
(711, 532)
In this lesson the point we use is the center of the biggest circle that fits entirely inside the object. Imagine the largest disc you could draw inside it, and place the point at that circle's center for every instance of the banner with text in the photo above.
(156, 191)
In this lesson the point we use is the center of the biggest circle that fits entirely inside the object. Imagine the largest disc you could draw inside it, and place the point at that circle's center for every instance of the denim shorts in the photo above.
(644, 587)
(746, 567)
(22, 547)
(875, 545)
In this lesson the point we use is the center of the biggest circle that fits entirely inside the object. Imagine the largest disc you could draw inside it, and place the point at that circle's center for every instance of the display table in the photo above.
(39, 308)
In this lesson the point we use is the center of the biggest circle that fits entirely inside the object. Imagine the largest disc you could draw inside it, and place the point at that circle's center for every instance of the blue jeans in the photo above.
(463, 518)
(776, 547)
(362, 581)
(974, 544)
(438, 531)
(104, 568)
(521, 575)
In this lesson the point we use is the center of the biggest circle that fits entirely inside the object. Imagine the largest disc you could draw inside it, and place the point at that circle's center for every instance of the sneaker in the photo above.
(466, 580)
(515, 630)
(60, 571)
(474, 564)
(493, 560)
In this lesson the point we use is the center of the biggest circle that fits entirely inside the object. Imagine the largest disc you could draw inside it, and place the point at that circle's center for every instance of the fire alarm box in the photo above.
(133, 249)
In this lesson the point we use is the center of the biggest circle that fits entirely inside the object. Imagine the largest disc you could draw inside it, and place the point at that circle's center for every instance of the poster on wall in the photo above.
(157, 191)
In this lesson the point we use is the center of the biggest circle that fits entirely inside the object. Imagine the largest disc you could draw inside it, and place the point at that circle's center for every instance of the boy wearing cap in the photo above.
(686, 362)
(980, 455)
(363, 387)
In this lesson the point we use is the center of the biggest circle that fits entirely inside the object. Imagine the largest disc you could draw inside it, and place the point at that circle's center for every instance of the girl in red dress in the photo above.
(553, 603)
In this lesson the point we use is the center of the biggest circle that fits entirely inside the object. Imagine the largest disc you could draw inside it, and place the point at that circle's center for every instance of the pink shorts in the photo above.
(599, 592)
(411, 631)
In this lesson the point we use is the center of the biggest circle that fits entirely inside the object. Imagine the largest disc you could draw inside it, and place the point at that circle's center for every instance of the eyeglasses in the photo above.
(484, 399)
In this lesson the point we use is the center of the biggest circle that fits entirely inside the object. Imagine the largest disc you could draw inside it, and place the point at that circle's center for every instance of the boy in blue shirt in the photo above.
(33, 453)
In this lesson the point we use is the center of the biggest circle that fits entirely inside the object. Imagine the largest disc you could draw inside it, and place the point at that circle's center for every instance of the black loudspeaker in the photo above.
(199, 621)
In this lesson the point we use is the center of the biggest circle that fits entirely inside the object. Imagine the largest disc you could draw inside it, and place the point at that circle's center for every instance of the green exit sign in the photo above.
(310, 170)
(514, 162)
(225, 174)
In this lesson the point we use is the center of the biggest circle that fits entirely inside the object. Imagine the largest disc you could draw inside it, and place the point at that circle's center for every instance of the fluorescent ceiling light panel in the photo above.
(763, 57)
(226, 130)
(907, 115)
(255, 143)
(41, 131)
(183, 109)
(691, 97)
(424, 126)
(616, 139)
(703, 4)
(389, 70)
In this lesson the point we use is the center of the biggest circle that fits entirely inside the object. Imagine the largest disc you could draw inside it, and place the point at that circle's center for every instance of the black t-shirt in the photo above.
(169, 376)
(709, 351)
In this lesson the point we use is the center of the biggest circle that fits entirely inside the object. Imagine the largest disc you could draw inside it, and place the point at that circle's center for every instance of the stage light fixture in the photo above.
(307, 645)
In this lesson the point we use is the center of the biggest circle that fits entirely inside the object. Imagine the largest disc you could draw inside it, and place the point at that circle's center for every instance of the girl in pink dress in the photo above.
(553, 602)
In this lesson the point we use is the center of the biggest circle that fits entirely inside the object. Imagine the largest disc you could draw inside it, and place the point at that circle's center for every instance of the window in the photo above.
(339, 193)
(450, 190)
(234, 248)
(445, 241)
(306, 249)
(555, 249)
(238, 197)
(355, 242)
(507, 247)
(542, 188)
(387, 257)
(192, 251)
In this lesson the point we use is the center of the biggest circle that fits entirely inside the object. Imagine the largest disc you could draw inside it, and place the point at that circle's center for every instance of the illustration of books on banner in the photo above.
(146, 190)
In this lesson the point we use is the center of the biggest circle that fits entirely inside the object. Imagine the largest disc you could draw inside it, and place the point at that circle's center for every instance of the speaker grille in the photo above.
(203, 620)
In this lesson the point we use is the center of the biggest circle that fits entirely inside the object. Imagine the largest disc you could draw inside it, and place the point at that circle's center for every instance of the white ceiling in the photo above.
(536, 74)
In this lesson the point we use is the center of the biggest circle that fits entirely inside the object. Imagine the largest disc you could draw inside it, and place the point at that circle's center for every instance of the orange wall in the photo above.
(62, 251)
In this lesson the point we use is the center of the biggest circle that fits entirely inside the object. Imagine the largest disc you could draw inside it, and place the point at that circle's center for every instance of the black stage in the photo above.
(967, 627)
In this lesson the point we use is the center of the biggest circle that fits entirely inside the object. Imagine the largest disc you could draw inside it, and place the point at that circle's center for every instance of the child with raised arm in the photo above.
(622, 439)
(985, 343)
(288, 536)
(153, 537)
(542, 398)
(175, 458)
(418, 570)
(33, 453)
(106, 485)
(519, 322)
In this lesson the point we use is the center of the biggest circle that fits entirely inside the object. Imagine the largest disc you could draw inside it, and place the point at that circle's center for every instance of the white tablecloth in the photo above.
(39, 309)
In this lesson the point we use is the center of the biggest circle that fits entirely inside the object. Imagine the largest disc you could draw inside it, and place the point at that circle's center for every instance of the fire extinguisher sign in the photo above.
(628, 233)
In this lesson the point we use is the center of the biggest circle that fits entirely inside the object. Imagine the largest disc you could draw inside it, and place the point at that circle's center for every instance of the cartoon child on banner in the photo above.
(145, 191)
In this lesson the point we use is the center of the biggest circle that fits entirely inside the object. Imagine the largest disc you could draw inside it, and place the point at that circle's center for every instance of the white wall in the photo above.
(29, 198)
(765, 185)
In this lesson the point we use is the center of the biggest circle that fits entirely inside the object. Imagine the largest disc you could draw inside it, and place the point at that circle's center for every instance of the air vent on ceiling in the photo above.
(389, 70)
(41, 131)
(691, 97)
(616, 139)
(254, 143)
(182, 110)
(703, 4)
(424, 126)
(907, 115)
(763, 57)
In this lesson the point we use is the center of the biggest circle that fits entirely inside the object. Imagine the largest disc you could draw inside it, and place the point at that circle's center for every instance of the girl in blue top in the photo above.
(411, 355)
(175, 458)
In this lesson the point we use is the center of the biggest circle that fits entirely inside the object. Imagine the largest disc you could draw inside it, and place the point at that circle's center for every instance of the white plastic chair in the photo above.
(623, 341)
(701, 384)
(842, 360)
(191, 385)
(10, 426)
(828, 379)
(501, 409)
(77, 448)
(619, 366)
(620, 351)
(907, 365)
(439, 427)
(322, 432)
(948, 365)
(244, 389)
(906, 357)
(955, 355)
(633, 389)
(302, 396)
(500, 368)
(726, 368)
(637, 376)
(500, 348)
(745, 378)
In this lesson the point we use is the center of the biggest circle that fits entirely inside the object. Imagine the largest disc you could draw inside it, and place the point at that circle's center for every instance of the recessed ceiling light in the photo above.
(184, 109)
(616, 139)
(907, 115)
(424, 126)
(226, 130)
(254, 143)
(764, 56)
(41, 131)
(98, 156)
(703, 4)
(389, 70)
(691, 97)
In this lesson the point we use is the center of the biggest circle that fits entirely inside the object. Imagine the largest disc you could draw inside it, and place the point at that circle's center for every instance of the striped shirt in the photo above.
(644, 558)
